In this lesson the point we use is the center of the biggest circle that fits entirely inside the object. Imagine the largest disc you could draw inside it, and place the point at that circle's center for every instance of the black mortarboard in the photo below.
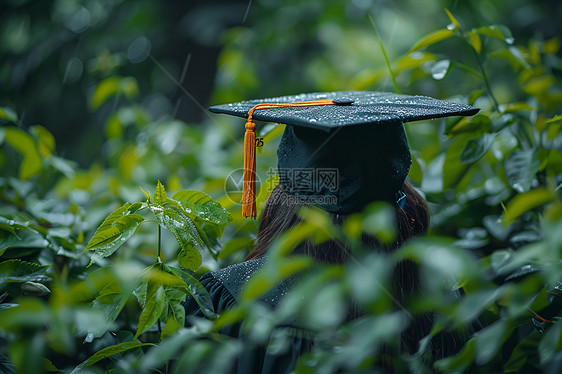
(356, 137)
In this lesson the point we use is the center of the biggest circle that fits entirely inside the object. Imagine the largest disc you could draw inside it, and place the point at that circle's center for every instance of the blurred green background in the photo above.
(55, 54)
(99, 97)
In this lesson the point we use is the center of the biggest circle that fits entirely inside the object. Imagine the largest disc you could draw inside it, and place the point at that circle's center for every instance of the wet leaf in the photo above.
(106, 242)
(34, 289)
(197, 291)
(201, 205)
(453, 19)
(441, 69)
(520, 168)
(22, 271)
(104, 90)
(24, 239)
(433, 38)
(153, 308)
(173, 218)
(475, 41)
(27, 147)
(479, 124)
(189, 258)
(489, 340)
(497, 31)
(475, 95)
(475, 149)
(453, 170)
(45, 139)
(160, 194)
(8, 114)
(523, 203)
(110, 351)
(515, 107)
(516, 53)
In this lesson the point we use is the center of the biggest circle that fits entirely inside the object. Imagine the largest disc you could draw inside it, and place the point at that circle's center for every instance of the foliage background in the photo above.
(99, 97)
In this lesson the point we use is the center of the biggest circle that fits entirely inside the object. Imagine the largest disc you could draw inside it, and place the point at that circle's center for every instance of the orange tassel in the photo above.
(249, 177)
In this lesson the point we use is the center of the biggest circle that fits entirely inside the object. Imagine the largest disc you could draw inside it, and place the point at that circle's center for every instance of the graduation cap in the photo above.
(349, 146)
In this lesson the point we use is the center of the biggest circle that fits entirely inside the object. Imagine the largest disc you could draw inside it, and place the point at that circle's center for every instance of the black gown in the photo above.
(224, 287)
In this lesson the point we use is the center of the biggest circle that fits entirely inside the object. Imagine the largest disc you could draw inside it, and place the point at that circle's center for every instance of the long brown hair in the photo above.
(281, 213)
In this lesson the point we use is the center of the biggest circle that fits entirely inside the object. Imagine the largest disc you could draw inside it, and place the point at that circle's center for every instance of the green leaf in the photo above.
(475, 95)
(413, 61)
(554, 120)
(182, 227)
(34, 289)
(453, 19)
(8, 225)
(129, 87)
(520, 168)
(208, 216)
(110, 351)
(489, 340)
(524, 351)
(238, 244)
(160, 194)
(153, 308)
(30, 312)
(515, 107)
(440, 69)
(512, 56)
(160, 273)
(116, 229)
(45, 139)
(453, 170)
(25, 144)
(24, 239)
(516, 53)
(475, 149)
(123, 210)
(106, 242)
(479, 123)
(197, 291)
(201, 205)
(104, 90)
(190, 258)
(433, 38)
(110, 301)
(523, 203)
(22, 271)
(460, 361)
(172, 325)
(474, 41)
(8, 114)
(497, 31)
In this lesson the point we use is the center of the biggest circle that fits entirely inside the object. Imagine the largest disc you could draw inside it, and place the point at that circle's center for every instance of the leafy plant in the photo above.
(195, 220)
(493, 182)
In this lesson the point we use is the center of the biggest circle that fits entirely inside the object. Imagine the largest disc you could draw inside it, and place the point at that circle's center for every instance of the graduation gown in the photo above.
(224, 287)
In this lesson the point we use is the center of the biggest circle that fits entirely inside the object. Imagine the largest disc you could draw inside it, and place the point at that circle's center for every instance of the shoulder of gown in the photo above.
(224, 287)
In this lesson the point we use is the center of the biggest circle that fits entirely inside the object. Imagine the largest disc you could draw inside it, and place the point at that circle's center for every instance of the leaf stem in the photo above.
(159, 330)
(479, 61)
(159, 243)
(396, 88)
(485, 78)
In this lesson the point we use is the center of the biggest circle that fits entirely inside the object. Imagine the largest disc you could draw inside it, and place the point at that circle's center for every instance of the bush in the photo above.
(76, 297)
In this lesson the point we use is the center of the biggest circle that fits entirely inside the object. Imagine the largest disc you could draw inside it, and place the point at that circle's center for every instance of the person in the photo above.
(340, 151)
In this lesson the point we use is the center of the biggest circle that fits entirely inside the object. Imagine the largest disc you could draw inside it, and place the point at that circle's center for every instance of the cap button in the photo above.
(343, 101)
